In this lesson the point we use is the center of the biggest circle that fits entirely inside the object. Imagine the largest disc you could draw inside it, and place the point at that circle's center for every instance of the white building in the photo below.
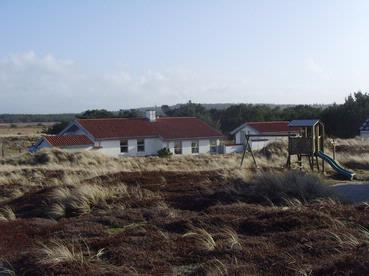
(364, 129)
(139, 136)
(274, 128)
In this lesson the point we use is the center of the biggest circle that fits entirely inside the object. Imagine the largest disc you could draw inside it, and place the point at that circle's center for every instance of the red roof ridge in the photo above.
(133, 118)
(56, 135)
(167, 117)
(110, 118)
(165, 127)
(264, 122)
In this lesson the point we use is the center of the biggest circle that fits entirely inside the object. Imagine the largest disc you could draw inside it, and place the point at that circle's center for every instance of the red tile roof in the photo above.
(184, 127)
(165, 127)
(68, 140)
(271, 126)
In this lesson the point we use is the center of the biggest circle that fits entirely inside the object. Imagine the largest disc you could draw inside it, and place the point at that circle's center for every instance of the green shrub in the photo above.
(164, 152)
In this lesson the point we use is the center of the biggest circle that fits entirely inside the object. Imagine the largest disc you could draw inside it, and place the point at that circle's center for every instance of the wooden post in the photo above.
(252, 154)
(248, 147)
(311, 162)
(2, 150)
(334, 149)
(289, 161)
(322, 144)
(289, 151)
(317, 163)
(243, 155)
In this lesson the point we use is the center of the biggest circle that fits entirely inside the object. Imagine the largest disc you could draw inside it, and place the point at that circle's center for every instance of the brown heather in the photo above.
(88, 214)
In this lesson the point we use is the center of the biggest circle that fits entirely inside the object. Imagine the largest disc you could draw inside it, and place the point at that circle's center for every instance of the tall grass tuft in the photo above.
(202, 237)
(232, 238)
(291, 188)
(58, 251)
(7, 214)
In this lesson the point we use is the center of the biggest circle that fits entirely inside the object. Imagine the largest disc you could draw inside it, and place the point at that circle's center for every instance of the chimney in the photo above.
(150, 115)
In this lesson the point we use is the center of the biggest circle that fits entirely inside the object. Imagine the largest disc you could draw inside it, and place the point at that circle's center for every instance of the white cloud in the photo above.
(42, 84)
(312, 66)
(46, 84)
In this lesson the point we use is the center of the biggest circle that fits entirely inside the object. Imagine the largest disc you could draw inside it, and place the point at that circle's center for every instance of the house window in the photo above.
(213, 146)
(178, 147)
(141, 145)
(195, 146)
(123, 146)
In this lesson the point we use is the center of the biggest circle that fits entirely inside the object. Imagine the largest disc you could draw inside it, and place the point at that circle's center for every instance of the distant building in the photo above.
(137, 136)
(364, 129)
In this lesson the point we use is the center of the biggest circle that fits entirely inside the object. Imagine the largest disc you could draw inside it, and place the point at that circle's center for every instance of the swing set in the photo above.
(305, 139)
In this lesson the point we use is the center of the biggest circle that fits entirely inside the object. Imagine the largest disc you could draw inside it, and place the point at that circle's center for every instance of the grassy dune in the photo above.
(85, 213)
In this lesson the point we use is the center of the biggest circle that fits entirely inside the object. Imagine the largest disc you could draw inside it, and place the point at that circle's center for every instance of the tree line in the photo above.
(341, 120)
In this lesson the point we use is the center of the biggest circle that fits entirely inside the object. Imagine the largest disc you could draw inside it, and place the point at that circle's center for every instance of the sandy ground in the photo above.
(353, 191)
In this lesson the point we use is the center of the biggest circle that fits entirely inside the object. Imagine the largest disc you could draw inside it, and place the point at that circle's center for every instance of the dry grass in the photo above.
(213, 267)
(192, 214)
(78, 200)
(276, 188)
(6, 214)
(165, 223)
(203, 239)
(57, 251)
(232, 238)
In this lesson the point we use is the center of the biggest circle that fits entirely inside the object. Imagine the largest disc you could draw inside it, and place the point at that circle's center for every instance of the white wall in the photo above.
(187, 147)
(76, 148)
(204, 146)
(109, 147)
(246, 130)
(112, 147)
(257, 143)
(233, 148)
(152, 145)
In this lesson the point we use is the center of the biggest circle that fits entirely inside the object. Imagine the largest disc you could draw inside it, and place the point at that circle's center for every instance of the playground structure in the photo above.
(305, 140)
(307, 143)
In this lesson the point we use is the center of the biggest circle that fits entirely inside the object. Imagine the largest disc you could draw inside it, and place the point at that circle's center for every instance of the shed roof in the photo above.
(303, 123)
(267, 127)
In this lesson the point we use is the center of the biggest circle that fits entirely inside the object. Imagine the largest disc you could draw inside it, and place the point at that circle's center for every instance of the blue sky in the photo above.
(68, 56)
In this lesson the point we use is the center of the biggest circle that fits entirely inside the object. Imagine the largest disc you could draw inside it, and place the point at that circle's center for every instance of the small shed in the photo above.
(262, 133)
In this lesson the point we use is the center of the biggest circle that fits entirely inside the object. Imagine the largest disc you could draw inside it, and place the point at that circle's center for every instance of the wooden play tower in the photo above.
(307, 141)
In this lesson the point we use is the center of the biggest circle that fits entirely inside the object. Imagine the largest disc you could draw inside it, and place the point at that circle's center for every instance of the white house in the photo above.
(138, 136)
(274, 128)
(364, 129)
